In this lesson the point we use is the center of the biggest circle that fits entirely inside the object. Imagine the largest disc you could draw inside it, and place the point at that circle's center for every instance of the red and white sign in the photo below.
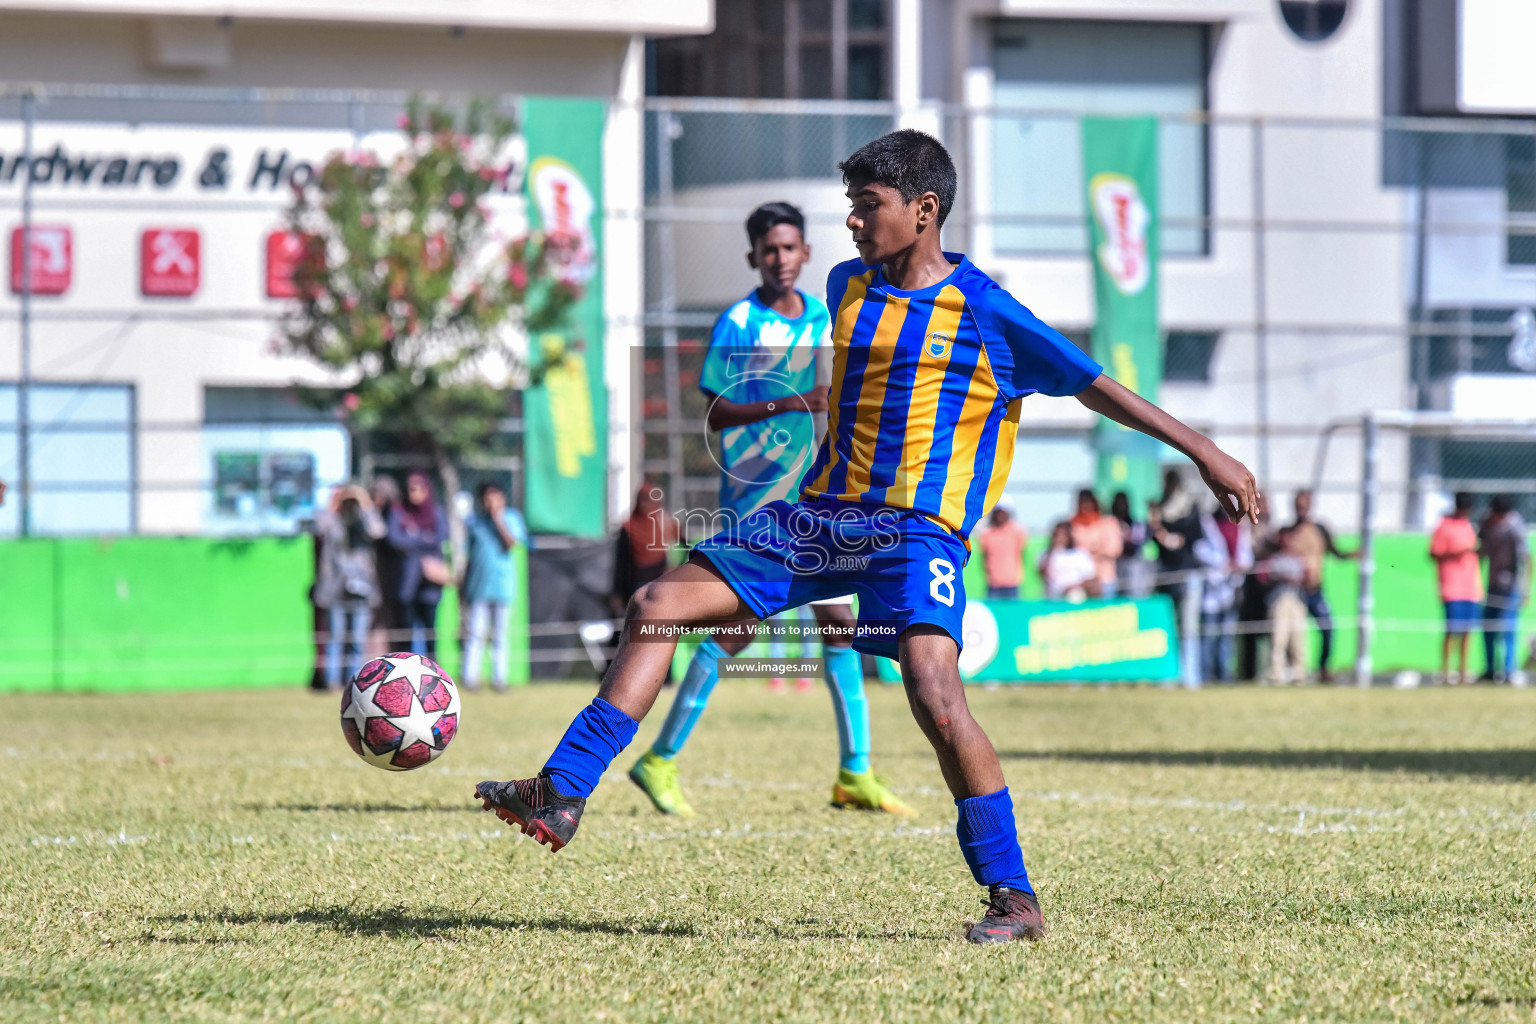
(53, 259)
(170, 261)
(285, 251)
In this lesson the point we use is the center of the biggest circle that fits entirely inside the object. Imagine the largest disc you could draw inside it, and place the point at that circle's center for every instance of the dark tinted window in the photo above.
(1520, 198)
(1187, 355)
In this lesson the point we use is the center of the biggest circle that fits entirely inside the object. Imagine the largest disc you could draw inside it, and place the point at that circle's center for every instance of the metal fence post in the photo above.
(667, 129)
(356, 122)
(1365, 609)
(24, 377)
(1260, 303)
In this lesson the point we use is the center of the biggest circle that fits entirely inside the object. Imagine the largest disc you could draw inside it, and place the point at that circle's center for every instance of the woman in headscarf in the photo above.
(640, 553)
(417, 529)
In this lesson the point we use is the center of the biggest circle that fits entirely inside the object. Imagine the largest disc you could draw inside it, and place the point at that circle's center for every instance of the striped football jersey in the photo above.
(926, 389)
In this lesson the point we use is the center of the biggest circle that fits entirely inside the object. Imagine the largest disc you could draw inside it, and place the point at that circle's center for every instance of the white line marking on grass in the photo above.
(375, 837)
(1232, 806)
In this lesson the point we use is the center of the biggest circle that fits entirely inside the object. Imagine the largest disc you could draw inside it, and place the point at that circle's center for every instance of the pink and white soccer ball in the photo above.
(400, 712)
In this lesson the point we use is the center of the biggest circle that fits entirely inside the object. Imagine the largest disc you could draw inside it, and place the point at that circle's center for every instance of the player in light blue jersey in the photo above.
(760, 376)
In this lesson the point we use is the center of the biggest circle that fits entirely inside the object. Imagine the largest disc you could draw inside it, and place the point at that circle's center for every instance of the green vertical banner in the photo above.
(565, 412)
(1120, 164)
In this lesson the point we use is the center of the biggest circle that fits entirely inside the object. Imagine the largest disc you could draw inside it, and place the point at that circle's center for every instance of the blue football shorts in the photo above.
(1462, 616)
(904, 567)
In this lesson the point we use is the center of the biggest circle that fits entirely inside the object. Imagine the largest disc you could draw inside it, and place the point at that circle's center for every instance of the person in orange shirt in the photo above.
(1101, 537)
(1002, 553)
(1453, 546)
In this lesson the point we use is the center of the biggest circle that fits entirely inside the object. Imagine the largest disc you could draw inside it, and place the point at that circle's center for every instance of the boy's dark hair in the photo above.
(486, 488)
(908, 161)
(769, 216)
(1463, 501)
(1502, 504)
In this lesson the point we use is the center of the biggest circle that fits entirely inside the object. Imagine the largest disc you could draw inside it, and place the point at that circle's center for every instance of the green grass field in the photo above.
(1321, 855)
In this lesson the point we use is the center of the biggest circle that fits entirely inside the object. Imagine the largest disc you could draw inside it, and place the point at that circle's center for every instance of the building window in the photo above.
(1477, 340)
(1520, 199)
(1188, 355)
(270, 459)
(781, 49)
(1094, 67)
(80, 458)
(1486, 468)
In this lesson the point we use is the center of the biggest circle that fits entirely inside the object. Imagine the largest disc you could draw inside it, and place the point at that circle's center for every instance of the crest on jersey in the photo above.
(937, 344)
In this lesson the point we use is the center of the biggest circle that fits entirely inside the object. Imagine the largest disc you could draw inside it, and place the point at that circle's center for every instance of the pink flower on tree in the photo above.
(456, 200)
(351, 401)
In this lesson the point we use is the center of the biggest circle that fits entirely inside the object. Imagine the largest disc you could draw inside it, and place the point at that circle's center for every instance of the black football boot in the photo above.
(536, 807)
(1011, 914)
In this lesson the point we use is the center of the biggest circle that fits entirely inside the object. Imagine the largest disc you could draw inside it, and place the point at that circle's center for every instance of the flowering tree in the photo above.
(409, 293)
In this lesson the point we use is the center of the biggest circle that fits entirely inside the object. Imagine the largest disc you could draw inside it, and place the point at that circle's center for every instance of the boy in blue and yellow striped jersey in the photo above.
(931, 363)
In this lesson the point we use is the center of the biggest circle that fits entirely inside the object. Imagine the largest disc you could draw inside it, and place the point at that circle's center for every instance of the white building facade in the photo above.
(153, 392)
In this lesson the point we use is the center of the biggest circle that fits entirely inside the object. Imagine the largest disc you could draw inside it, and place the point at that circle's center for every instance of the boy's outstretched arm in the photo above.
(1227, 478)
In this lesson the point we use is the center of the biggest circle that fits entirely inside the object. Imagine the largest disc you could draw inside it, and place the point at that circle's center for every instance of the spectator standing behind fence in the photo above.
(347, 582)
(1002, 553)
(641, 549)
(489, 584)
(1285, 573)
(1227, 555)
(1100, 536)
(1174, 524)
(1501, 540)
(1312, 542)
(388, 620)
(1068, 571)
(417, 530)
(1133, 573)
(1253, 605)
(1453, 546)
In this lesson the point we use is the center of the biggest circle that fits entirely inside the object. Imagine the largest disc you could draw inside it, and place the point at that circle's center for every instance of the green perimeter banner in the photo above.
(1117, 641)
(110, 615)
(565, 414)
(1120, 164)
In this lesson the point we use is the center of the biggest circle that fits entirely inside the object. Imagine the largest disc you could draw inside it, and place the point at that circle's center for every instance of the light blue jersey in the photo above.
(759, 355)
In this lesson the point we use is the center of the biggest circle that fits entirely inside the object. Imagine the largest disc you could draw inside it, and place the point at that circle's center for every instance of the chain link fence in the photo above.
(1313, 271)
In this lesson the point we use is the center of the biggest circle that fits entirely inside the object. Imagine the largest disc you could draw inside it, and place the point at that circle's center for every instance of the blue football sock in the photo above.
(845, 679)
(689, 702)
(990, 841)
(594, 739)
